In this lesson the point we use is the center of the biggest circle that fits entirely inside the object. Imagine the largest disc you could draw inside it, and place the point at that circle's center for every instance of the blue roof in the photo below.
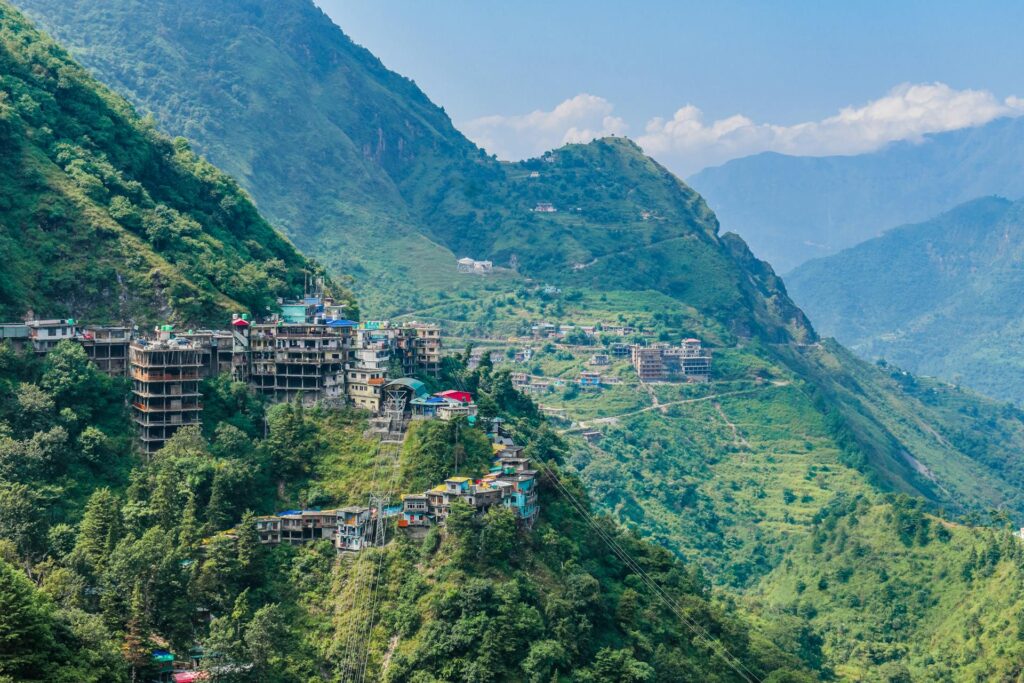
(289, 512)
(341, 323)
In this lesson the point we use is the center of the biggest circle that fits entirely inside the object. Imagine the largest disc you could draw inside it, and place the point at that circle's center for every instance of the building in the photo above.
(647, 360)
(304, 360)
(415, 511)
(165, 374)
(620, 350)
(355, 528)
(216, 351)
(107, 348)
(468, 265)
(296, 527)
(545, 207)
(661, 362)
(589, 380)
(45, 334)
(418, 346)
(15, 334)
(599, 359)
(509, 483)
(689, 361)
(524, 355)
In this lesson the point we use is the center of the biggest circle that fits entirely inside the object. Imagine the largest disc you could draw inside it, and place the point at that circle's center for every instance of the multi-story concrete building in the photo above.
(107, 347)
(165, 375)
(296, 527)
(661, 362)
(648, 363)
(418, 345)
(298, 360)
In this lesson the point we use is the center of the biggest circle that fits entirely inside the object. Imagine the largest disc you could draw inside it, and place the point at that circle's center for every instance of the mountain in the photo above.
(363, 172)
(791, 209)
(731, 476)
(938, 297)
(627, 240)
(106, 219)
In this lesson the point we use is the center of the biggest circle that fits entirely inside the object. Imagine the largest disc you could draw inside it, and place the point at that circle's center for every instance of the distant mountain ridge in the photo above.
(792, 209)
(940, 297)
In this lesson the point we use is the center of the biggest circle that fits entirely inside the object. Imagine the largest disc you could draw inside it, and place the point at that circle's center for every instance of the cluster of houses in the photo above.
(510, 483)
(307, 352)
(559, 331)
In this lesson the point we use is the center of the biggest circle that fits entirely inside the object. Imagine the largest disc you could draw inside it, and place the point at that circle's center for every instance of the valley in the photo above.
(791, 513)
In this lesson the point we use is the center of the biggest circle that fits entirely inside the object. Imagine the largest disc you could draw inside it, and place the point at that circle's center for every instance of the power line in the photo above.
(699, 631)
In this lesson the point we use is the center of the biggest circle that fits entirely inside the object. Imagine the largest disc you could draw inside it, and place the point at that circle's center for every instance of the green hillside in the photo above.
(937, 298)
(729, 477)
(104, 218)
(899, 595)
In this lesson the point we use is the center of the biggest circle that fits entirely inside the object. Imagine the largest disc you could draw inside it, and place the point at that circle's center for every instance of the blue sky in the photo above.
(698, 83)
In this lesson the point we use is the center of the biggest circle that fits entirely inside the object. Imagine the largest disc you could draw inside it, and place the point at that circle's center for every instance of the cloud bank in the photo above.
(579, 119)
(686, 143)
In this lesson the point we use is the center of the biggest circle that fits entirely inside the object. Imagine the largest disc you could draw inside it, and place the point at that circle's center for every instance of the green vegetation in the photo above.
(957, 313)
(104, 218)
(718, 489)
(897, 594)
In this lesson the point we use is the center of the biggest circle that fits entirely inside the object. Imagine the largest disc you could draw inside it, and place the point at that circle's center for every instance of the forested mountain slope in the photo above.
(101, 217)
(791, 209)
(939, 298)
(727, 476)
(370, 177)
(625, 230)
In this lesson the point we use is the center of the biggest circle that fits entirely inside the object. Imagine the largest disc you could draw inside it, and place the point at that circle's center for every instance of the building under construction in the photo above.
(663, 363)
(107, 348)
(165, 375)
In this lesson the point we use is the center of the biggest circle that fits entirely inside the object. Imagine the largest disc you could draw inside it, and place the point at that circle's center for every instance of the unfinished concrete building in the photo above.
(648, 363)
(298, 360)
(215, 350)
(661, 362)
(107, 348)
(418, 346)
(165, 375)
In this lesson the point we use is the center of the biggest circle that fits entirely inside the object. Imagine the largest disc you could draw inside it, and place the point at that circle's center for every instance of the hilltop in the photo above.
(104, 217)
(792, 209)
(937, 298)
(367, 175)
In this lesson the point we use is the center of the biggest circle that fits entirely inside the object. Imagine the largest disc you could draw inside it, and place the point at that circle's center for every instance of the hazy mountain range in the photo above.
(791, 209)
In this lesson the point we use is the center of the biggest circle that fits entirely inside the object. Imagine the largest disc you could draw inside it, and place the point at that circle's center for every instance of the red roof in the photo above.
(460, 396)
(190, 676)
(240, 323)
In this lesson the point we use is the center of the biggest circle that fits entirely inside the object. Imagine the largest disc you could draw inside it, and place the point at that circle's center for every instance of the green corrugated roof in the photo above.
(417, 387)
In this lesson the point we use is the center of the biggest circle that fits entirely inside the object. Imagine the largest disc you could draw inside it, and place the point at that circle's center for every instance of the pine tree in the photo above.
(100, 528)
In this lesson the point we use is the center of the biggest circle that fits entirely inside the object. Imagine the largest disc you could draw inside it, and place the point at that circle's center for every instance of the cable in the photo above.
(700, 633)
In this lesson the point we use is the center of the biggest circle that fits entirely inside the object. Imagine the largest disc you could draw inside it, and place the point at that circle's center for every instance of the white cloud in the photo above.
(686, 143)
(907, 112)
(579, 119)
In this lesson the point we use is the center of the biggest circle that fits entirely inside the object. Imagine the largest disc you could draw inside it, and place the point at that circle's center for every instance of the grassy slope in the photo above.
(945, 604)
(106, 219)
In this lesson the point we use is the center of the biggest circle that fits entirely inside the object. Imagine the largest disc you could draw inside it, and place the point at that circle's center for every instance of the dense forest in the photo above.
(140, 227)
